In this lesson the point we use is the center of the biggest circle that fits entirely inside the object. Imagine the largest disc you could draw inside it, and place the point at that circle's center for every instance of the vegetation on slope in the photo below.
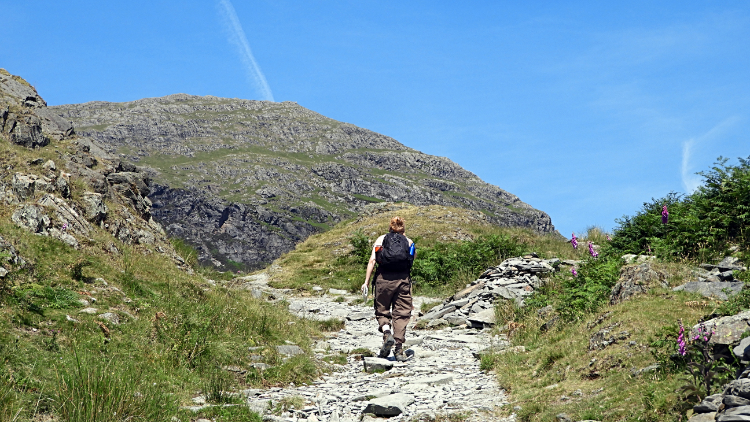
(560, 371)
(454, 245)
(176, 335)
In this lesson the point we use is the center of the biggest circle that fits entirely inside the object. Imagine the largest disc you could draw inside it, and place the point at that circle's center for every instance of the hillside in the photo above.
(101, 319)
(244, 181)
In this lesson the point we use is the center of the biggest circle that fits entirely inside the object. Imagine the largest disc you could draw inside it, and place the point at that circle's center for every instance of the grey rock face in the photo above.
(277, 163)
(95, 210)
(635, 280)
(721, 290)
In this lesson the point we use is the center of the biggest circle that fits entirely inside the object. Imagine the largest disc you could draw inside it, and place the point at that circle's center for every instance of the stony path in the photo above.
(442, 378)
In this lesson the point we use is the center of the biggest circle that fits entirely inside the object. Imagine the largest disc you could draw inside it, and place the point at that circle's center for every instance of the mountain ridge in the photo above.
(275, 172)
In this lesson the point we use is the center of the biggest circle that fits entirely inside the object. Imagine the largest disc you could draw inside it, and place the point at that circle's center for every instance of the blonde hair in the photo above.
(397, 225)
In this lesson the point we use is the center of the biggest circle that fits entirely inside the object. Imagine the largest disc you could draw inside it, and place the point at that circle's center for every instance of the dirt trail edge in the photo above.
(442, 378)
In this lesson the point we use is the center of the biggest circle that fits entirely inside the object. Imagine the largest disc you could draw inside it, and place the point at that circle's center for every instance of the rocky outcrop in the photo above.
(24, 117)
(716, 280)
(111, 195)
(635, 280)
(514, 279)
(262, 176)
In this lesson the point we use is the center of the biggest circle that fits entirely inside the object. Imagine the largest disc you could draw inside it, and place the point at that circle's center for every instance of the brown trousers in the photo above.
(393, 303)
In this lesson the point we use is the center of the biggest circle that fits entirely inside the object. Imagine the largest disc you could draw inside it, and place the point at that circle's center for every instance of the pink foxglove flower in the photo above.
(608, 238)
(649, 248)
(574, 241)
(593, 253)
(681, 340)
(664, 215)
(573, 271)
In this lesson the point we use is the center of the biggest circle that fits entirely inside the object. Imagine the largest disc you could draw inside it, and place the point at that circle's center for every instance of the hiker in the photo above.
(394, 254)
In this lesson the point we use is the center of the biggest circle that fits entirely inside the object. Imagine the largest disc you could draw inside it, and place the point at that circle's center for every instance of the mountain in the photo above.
(244, 181)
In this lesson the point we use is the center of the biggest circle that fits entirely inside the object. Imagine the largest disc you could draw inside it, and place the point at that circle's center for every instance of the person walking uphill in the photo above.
(394, 253)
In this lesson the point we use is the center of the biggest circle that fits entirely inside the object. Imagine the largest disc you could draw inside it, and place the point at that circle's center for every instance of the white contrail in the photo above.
(238, 38)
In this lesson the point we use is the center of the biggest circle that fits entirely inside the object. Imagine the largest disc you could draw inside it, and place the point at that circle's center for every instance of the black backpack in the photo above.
(394, 255)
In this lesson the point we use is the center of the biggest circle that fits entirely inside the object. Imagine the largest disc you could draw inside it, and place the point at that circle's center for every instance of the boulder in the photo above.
(734, 414)
(485, 317)
(739, 387)
(94, 208)
(289, 350)
(728, 329)
(703, 417)
(388, 406)
(110, 317)
(23, 186)
(32, 218)
(635, 280)
(54, 125)
(373, 364)
(25, 130)
(709, 404)
(721, 290)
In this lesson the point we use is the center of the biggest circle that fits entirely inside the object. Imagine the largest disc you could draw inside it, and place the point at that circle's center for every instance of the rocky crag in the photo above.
(244, 181)
(71, 189)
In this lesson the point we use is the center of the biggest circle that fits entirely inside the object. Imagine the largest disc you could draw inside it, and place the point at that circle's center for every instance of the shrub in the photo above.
(446, 262)
(590, 290)
(361, 244)
(701, 225)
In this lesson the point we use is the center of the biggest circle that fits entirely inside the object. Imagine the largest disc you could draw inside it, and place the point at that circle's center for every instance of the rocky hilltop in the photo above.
(244, 181)
(64, 186)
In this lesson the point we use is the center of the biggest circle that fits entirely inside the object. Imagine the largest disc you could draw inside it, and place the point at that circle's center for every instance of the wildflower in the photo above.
(573, 271)
(574, 241)
(608, 238)
(649, 248)
(64, 226)
(593, 253)
(681, 340)
(664, 214)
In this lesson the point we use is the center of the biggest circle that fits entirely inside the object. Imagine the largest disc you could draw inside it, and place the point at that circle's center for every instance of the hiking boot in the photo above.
(388, 342)
(399, 354)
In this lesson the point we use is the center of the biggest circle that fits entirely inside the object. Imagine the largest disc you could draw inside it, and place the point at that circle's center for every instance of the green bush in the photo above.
(362, 248)
(446, 262)
(590, 290)
(701, 225)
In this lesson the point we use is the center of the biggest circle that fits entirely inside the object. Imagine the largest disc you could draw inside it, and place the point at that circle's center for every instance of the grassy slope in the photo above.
(544, 379)
(180, 333)
(324, 259)
(560, 357)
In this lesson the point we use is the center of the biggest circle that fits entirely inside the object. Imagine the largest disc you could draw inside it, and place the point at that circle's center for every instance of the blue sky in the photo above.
(583, 109)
